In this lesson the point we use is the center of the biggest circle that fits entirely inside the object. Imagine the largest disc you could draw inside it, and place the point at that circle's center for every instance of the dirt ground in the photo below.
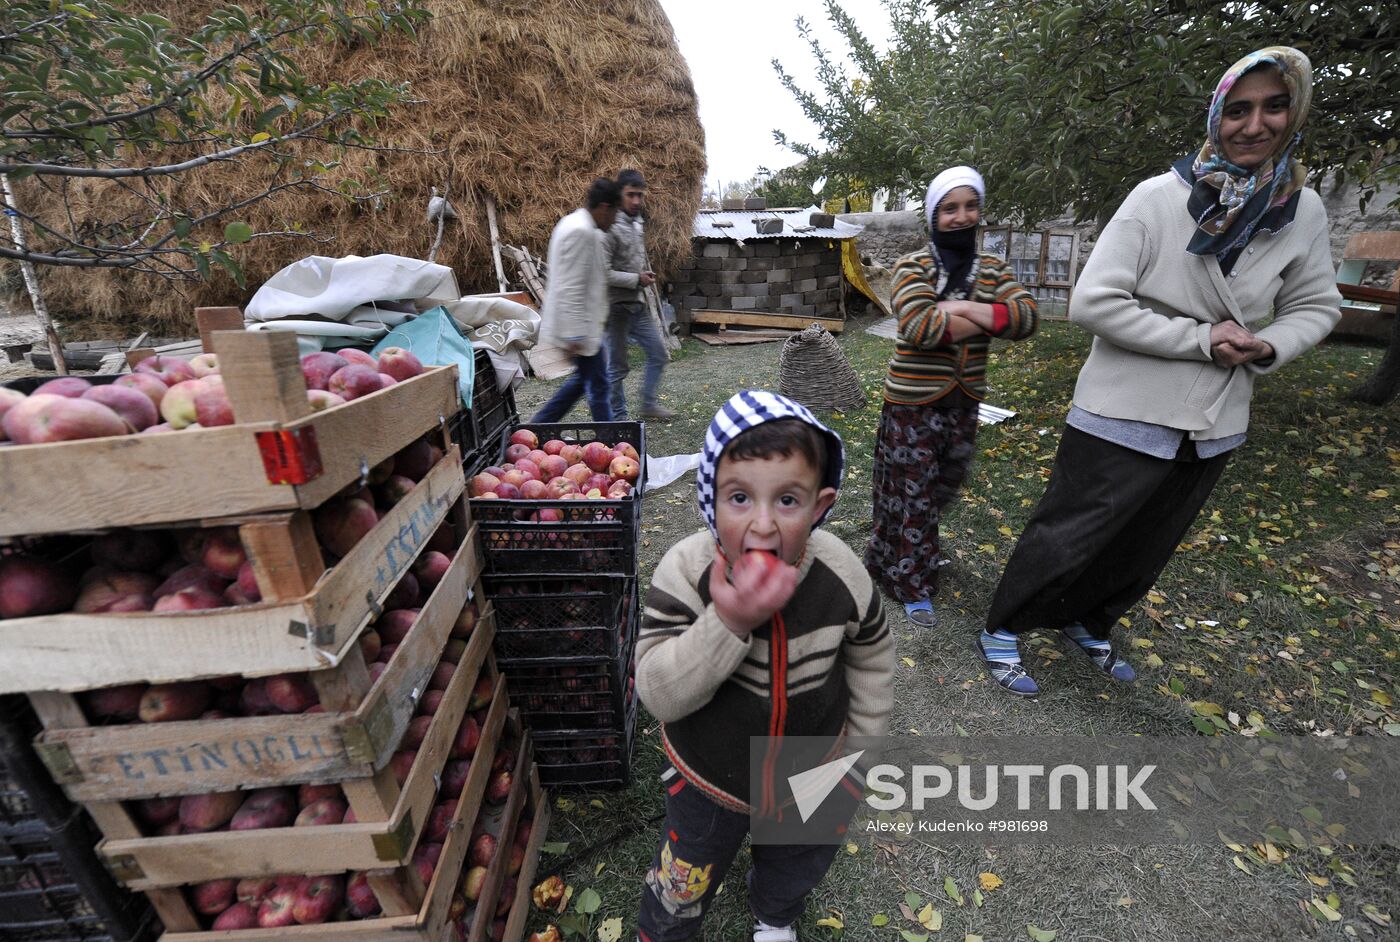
(1165, 893)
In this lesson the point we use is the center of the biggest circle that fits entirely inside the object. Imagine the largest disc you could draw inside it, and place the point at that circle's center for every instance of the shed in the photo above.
(783, 263)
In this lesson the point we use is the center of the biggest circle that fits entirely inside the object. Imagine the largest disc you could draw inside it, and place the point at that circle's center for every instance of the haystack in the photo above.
(525, 100)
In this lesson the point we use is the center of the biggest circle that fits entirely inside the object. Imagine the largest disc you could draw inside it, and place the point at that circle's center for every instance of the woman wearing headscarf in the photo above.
(948, 301)
(1193, 261)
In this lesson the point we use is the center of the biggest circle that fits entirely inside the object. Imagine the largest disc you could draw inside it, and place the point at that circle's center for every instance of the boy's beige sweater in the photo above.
(823, 665)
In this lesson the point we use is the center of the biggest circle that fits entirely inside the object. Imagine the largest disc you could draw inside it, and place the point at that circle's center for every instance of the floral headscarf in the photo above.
(1229, 202)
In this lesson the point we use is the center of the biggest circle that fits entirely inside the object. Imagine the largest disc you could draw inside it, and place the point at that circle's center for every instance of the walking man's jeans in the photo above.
(630, 319)
(590, 377)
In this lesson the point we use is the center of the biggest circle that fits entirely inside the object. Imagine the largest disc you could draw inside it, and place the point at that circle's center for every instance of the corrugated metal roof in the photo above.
(738, 225)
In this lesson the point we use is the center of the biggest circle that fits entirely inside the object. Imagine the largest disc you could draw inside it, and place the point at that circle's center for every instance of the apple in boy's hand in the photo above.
(759, 583)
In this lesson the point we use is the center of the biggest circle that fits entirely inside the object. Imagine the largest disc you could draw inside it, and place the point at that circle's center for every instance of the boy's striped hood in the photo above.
(742, 412)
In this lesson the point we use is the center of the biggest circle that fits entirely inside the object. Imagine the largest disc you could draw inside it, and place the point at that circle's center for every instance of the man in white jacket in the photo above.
(576, 302)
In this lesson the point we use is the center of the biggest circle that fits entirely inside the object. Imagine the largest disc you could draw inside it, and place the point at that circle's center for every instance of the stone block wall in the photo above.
(774, 276)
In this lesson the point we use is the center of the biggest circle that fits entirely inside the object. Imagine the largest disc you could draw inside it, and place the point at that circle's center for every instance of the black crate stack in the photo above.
(52, 885)
(562, 578)
(478, 431)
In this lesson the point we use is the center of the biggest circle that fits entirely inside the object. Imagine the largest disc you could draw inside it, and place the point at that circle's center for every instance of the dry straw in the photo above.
(813, 370)
(527, 100)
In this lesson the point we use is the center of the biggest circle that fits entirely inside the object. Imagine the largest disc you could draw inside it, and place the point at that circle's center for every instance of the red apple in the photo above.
(442, 675)
(623, 468)
(405, 592)
(597, 456)
(431, 567)
(523, 831)
(393, 626)
(318, 898)
(254, 701)
(399, 363)
(393, 490)
(627, 451)
(307, 794)
(206, 364)
(596, 482)
(425, 858)
(453, 650)
(507, 896)
(454, 776)
(440, 821)
(211, 404)
(178, 407)
(354, 356)
(130, 550)
(255, 889)
(193, 576)
(402, 763)
(321, 399)
(237, 916)
(473, 882)
(292, 693)
(247, 582)
(69, 387)
(319, 367)
(430, 703)
(115, 703)
(321, 813)
(360, 901)
(579, 474)
(562, 487)
(572, 454)
(417, 731)
(370, 645)
(514, 477)
(354, 381)
(482, 484)
(498, 787)
(169, 370)
(134, 406)
(553, 446)
(277, 909)
(481, 693)
(146, 383)
(507, 491)
(466, 621)
(156, 812)
(200, 813)
(516, 452)
(117, 592)
(552, 466)
(467, 739)
(190, 600)
(482, 850)
(265, 808)
(415, 460)
(44, 417)
(223, 553)
(523, 436)
(534, 490)
(340, 524)
(167, 703)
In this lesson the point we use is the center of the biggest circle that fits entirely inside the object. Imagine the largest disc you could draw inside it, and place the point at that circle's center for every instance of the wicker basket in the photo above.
(813, 370)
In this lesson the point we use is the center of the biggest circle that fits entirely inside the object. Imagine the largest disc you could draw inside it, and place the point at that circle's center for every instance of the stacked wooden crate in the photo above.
(263, 476)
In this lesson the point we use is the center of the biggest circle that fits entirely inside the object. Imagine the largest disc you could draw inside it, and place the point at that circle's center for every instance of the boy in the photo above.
(762, 626)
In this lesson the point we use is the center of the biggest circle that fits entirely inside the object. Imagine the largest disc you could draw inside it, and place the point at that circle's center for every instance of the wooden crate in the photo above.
(429, 922)
(502, 827)
(147, 760)
(279, 457)
(308, 620)
(194, 858)
(519, 915)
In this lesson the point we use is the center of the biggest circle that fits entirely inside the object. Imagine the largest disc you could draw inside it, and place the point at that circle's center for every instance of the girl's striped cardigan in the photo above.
(926, 367)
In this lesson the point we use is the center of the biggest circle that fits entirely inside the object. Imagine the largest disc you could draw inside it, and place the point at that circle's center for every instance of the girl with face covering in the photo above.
(1193, 261)
(949, 301)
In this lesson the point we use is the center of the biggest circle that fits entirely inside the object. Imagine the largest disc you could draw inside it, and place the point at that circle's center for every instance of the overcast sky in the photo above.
(729, 45)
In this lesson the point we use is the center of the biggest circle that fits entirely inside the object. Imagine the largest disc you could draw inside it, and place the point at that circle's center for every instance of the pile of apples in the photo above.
(558, 470)
(165, 394)
(289, 900)
(193, 569)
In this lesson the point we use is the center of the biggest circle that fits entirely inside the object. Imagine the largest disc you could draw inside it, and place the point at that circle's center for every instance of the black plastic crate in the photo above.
(27, 384)
(478, 431)
(598, 535)
(599, 758)
(52, 886)
(558, 695)
(562, 618)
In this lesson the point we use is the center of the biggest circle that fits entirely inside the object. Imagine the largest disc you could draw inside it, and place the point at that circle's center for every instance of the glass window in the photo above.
(1058, 251)
(1025, 256)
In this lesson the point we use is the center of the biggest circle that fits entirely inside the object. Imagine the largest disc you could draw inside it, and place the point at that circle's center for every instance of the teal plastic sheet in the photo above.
(433, 337)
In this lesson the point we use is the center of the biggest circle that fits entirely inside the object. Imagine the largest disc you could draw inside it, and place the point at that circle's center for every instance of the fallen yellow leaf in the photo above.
(989, 881)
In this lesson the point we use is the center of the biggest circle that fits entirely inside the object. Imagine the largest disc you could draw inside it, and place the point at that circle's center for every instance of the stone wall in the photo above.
(776, 276)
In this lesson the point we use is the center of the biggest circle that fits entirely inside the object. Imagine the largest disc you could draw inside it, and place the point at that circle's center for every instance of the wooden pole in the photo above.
(495, 242)
(31, 278)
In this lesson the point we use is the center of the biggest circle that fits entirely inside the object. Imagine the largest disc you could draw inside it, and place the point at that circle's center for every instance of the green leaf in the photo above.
(554, 848)
(951, 888)
(879, 919)
(588, 901)
(237, 232)
(1040, 935)
(913, 900)
(909, 935)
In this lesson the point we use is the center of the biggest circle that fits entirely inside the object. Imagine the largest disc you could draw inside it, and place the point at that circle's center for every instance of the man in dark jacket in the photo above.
(628, 275)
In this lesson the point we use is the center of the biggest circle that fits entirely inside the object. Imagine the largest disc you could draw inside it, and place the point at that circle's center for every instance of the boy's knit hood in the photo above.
(742, 412)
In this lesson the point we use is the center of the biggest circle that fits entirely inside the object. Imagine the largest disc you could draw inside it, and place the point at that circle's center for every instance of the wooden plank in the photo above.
(285, 555)
(520, 909)
(495, 242)
(210, 319)
(1374, 246)
(75, 652)
(1367, 293)
(734, 338)
(503, 827)
(761, 319)
(194, 858)
(143, 760)
(262, 374)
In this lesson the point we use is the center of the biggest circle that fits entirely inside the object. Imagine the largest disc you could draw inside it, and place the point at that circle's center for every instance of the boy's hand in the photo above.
(760, 585)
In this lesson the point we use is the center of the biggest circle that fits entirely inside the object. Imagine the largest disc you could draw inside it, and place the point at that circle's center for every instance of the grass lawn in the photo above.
(1280, 611)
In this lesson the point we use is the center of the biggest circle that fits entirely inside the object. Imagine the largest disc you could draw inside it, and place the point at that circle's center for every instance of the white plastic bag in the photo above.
(662, 471)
